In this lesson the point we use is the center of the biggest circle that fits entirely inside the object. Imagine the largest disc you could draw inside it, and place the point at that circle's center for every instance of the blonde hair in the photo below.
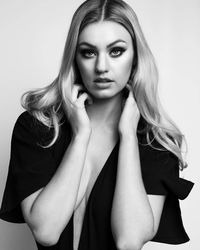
(46, 103)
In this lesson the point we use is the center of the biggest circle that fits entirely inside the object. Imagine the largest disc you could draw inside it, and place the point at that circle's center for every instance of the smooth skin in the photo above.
(104, 50)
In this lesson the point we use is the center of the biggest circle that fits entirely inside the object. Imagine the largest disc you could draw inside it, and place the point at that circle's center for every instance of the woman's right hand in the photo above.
(77, 114)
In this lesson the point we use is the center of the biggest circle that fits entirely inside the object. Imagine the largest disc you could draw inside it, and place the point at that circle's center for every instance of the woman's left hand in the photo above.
(130, 115)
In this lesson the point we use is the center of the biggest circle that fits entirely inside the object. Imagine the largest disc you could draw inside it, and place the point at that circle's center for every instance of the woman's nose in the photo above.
(101, 64)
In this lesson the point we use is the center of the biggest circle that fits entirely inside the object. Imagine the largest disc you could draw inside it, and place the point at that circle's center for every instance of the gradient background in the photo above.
(32, 39)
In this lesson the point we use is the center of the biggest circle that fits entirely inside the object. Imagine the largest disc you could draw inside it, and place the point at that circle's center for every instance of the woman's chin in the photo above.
(103, 95)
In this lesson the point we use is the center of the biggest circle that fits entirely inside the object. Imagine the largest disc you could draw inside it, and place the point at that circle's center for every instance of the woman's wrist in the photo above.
(128, 136)
(83, 131)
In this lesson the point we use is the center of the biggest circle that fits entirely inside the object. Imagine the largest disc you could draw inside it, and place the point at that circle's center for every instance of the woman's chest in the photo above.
(98, 153)
(97, 160)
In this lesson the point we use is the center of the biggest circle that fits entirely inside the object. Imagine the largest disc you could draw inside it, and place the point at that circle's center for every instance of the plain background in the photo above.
(33, 34)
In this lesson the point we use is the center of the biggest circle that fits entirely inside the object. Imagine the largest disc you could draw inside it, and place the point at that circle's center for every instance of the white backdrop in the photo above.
(32, 40)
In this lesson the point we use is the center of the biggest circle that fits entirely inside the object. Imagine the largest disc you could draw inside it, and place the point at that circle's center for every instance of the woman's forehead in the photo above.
(104, 33)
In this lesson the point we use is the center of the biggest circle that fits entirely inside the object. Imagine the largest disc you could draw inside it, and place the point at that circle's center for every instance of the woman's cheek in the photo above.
(123, 70)
(84, 71)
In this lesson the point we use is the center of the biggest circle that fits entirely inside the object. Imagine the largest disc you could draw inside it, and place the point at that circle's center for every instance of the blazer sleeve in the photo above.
(31, 166)
(160, 172)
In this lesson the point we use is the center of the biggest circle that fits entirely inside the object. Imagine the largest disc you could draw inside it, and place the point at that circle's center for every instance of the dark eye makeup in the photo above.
(90, 53)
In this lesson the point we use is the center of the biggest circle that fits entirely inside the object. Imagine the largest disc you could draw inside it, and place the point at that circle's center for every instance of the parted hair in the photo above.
(46, 103)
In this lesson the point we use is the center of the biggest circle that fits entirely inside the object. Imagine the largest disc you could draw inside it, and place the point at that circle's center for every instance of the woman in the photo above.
(94, 159)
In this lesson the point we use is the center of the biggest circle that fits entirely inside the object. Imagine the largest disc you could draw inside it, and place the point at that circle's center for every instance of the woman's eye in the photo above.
(117, 52)
(87, 53)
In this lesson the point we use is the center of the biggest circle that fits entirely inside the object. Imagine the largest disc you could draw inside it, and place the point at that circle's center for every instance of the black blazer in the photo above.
(31, 168)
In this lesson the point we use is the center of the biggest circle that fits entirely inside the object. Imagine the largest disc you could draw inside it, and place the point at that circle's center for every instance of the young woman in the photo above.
(94, 159)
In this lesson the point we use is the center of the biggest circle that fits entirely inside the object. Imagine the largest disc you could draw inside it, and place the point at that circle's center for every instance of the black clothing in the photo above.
(31, 168)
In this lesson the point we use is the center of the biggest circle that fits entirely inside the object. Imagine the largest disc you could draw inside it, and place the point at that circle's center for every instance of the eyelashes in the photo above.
(91, 53)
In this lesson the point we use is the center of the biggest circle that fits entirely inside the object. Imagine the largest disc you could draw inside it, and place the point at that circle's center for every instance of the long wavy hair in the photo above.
(46, 104)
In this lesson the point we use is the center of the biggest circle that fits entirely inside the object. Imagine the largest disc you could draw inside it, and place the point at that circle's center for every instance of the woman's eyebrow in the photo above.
(108, 46)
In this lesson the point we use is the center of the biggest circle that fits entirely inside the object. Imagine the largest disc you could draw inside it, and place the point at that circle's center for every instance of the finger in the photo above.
(131, 96)
(128, 86)
(82, 98)
(130, 89)
(75, 91)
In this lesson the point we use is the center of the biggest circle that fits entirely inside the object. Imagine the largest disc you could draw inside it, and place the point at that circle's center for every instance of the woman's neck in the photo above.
(105, 113)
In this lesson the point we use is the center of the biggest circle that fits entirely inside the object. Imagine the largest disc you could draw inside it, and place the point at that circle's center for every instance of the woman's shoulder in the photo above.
(146, 139)
(27, 119)
(154, 157)
(29, 126)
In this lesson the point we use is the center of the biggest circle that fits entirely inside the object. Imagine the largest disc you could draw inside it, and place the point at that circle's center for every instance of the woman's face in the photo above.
(104, 57)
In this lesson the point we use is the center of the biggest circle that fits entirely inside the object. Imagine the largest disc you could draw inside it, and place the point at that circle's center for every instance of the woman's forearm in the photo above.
(131, 217)
(53, 207)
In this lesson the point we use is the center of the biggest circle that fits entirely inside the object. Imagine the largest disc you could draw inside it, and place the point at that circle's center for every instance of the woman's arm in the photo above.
(135, 216)
(48, 210)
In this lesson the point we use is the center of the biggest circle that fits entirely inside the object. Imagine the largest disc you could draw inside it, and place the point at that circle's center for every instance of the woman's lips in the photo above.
(102, 80)
(103, 84)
